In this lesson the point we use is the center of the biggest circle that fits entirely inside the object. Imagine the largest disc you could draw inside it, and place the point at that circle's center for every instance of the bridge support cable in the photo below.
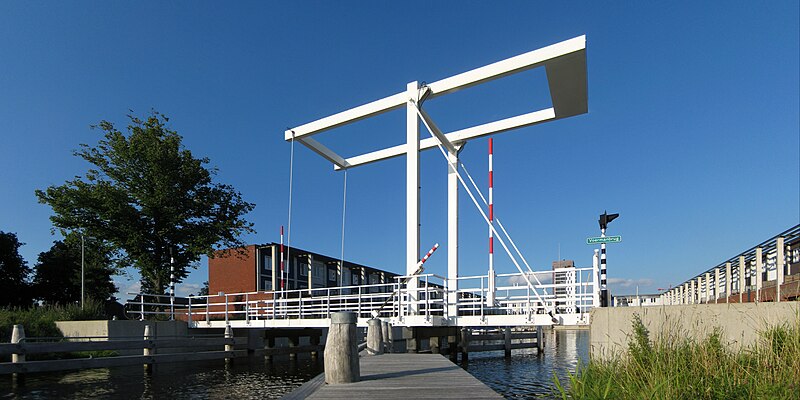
(440, 137)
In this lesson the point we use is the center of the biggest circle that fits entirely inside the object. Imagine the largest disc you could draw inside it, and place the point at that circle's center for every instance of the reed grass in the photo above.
(677, 367)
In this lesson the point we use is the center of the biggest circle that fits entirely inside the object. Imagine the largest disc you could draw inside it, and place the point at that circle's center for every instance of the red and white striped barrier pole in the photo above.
(282, 274)
(490, 293)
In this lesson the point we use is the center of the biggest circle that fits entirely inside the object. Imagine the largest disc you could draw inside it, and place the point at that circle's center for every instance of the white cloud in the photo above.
(518, 280)
(627, 282)
(185, 289)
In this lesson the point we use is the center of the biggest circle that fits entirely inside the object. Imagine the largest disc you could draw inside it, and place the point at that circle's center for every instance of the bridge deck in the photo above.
(411, 376)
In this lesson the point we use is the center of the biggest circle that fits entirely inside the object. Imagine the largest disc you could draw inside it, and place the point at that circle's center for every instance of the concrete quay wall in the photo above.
(740, 324)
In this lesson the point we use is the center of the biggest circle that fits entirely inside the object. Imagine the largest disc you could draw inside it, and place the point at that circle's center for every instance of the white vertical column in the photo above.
(412, 190)
(716, 284)
(452, 236)
(742, 271)
(692, 293)
(491, 289)
(759, 271)
(780, 262)
(728, 281)
(709, 287)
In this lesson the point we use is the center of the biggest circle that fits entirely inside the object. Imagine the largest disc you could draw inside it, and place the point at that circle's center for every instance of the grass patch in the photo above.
(680, 368)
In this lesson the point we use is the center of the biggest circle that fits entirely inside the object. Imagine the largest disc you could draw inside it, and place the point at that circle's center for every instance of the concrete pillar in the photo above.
(728, 281)
(341, 350)
(716, 284)
(742, 272)
(759, 271)
(507, 337)
(709, 287)
(780, 264)
(374, 337)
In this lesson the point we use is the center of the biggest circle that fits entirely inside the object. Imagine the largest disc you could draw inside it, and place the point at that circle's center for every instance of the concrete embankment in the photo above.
(740, 324)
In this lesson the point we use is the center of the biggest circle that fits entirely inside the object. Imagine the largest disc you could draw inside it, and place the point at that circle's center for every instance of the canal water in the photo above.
(526, 374)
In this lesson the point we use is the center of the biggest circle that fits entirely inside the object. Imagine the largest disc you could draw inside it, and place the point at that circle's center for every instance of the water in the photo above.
(247, 378)
(525, 375)
(528, 374)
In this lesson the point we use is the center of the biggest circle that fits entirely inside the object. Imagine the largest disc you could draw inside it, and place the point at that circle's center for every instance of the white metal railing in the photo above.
(575, 295)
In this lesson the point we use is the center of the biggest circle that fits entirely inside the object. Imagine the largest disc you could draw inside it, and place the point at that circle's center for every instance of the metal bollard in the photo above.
(374, 337)
(341, 350)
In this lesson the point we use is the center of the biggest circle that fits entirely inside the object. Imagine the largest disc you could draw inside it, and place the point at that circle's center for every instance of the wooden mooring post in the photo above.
(374, 337)
(17, 337)
(148, 350)
(341, 350)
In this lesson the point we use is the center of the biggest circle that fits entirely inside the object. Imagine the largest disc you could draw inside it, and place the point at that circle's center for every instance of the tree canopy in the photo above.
(57, 274)
(149, 196)
(14, 272)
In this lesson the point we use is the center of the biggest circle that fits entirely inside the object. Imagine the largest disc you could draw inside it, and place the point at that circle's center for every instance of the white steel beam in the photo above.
(349, 116)
(566, 71)
(412, 189)
(461, 135)
(325, 152)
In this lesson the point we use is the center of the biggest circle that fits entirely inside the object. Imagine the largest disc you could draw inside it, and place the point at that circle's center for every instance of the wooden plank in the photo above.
(306, 389)
(409, 376)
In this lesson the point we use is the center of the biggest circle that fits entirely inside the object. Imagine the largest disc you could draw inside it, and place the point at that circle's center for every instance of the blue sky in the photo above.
(692, 133)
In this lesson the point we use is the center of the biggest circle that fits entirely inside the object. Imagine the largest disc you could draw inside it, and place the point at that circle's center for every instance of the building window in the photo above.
(266, 284)
(266, 263)
(332, 274)
(302, 268)
(355, 278)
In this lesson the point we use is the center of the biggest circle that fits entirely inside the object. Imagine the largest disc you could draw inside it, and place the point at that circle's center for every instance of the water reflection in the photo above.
(528, 374)
(247, 378)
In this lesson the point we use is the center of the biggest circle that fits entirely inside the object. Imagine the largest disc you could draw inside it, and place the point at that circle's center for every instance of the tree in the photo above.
(148, 195)
(14, 271)
(57, 275)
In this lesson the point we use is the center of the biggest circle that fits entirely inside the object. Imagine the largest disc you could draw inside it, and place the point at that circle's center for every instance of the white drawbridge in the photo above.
(519, 298)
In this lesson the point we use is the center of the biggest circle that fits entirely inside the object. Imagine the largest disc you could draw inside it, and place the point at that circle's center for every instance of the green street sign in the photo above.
(607, 239)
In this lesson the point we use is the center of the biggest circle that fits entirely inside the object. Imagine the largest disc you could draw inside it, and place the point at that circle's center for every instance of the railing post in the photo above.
(247, 308)
(189, 317)
(141, 299)
(226, 310)
(341, 350)
(329, 302)
(208, 306)
(427, 301)
(359, 302)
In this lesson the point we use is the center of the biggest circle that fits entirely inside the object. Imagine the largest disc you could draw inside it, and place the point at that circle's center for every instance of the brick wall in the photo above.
(231, 272)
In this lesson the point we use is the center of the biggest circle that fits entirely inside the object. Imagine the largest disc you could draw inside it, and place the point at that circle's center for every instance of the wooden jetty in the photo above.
(404, 375)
